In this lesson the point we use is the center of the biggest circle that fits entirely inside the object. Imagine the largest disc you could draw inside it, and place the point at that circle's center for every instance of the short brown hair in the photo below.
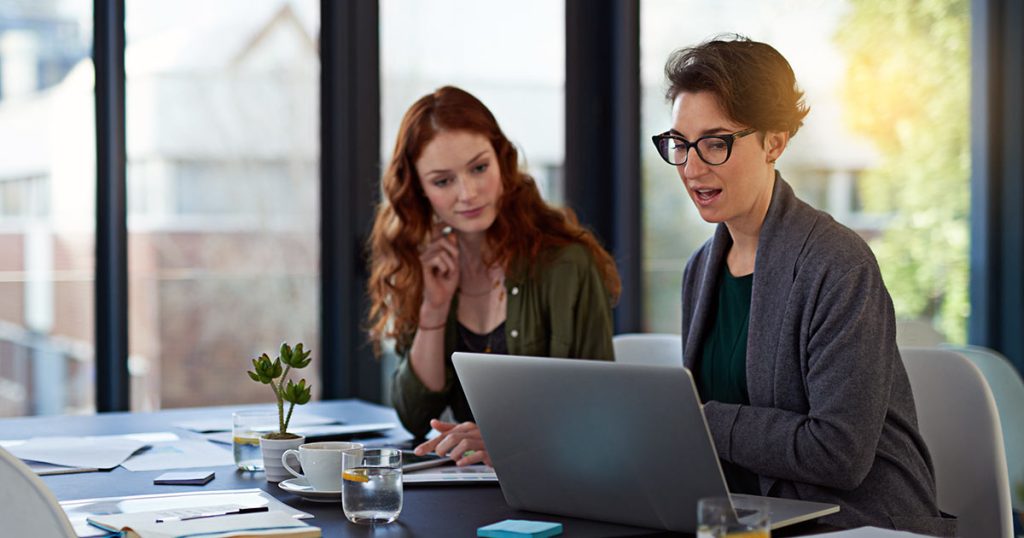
(754, 84)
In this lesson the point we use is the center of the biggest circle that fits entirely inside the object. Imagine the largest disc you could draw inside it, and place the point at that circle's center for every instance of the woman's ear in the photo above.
(774, 144)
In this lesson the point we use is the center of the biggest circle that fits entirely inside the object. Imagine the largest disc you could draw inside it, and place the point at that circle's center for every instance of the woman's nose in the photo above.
(694, 166)
(467, 189)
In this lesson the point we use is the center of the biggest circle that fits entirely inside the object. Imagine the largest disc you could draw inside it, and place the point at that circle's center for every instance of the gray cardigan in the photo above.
(831, 416)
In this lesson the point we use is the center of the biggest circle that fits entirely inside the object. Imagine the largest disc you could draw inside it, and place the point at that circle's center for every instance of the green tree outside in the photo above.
(907, 88)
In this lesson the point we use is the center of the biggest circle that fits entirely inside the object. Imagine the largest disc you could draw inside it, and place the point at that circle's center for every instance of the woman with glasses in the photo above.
(466, 256)
(787, 325)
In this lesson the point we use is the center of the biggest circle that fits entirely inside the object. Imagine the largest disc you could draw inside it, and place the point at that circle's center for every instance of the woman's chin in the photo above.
(473, 226)
(708, 215)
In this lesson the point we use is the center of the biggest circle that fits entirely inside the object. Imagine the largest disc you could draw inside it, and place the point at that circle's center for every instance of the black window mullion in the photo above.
(602, 99)
(997, 178)
(111, 283)
(349, 169)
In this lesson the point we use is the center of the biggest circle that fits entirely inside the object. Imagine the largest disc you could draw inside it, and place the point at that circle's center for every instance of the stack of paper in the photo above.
(79, 453)
(170, 504)
(146, 525)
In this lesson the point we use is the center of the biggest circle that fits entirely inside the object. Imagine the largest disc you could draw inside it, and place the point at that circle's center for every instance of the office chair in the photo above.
(1008, 392)
(960, 424)
(649, 348)
(27, 507)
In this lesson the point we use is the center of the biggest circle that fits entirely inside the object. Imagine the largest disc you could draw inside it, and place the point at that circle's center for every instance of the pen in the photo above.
(248, 510)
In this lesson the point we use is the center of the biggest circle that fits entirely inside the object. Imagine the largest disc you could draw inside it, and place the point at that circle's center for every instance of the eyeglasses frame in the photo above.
(729, 139)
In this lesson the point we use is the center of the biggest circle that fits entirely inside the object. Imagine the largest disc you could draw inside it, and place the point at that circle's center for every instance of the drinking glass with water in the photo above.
(722, 517)
(246, 430)
(371, 485)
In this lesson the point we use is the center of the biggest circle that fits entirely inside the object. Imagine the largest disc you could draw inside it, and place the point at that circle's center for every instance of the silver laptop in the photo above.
(626, 443)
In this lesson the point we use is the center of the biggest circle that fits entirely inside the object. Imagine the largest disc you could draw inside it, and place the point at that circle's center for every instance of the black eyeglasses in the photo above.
(712, 149)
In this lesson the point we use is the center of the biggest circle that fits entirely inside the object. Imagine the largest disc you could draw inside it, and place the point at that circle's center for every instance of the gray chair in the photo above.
(958, 420)
(649, 348)
(27, 507)
(1008, 392)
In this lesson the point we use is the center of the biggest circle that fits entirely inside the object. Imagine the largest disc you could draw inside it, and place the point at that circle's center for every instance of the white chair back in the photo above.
(959, 422)
(649, 348)
(27, 507)
(1008, 392)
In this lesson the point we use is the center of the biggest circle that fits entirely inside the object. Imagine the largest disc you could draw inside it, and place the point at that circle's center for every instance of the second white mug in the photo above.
(321, 463)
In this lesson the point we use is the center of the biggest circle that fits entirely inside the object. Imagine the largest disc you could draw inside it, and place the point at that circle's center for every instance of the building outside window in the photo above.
(223, 144)
(47, 208)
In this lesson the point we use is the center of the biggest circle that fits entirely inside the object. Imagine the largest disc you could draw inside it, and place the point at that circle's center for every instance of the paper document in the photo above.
(315, 431)
(80, 510)
(59, 455)
(96, 452)
(470, 474)
(180, 454)
(223, 424)
(144, 525)
(47, 469)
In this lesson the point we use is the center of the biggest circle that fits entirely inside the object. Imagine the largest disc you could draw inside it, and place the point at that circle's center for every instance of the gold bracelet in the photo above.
(441, 326)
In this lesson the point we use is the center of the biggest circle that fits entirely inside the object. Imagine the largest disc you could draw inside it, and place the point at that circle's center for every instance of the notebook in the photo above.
(151, 525)
(626, 443)
(81, 510)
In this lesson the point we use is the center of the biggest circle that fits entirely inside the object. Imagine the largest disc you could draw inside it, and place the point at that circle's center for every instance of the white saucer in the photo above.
(301, 487)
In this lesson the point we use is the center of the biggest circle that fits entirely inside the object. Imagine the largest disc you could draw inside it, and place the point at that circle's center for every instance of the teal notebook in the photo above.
(520, 528)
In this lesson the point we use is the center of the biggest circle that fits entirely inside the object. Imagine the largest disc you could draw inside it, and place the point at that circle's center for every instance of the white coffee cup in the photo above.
(321, 463)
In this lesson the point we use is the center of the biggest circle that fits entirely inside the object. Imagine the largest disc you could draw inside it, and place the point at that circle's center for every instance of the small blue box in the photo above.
(520, 528)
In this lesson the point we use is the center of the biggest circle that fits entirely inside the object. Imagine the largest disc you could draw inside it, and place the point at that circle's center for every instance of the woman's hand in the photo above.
(440, 261)
(462, 442)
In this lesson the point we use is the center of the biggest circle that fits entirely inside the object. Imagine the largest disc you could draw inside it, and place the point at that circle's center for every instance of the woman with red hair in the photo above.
(465, 255)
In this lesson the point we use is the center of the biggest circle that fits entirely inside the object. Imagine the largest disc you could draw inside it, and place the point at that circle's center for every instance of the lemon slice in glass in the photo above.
(355, 475)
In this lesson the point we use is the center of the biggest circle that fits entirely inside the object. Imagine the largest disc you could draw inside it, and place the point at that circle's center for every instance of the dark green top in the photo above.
(722, 370)
(722, 373)
(557, 306)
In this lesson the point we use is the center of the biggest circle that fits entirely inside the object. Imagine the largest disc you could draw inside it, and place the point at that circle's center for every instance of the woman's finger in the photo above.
(441, 425)
(450, 245)
(445, 446)
(474, 456)
(426, 447)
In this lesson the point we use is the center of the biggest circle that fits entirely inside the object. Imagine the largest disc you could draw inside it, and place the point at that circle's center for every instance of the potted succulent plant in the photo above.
(275, 373)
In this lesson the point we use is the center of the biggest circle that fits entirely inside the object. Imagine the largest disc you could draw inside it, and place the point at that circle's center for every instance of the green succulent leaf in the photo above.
(263, 370)
(297, 358)
(301, 358)
(297, 393)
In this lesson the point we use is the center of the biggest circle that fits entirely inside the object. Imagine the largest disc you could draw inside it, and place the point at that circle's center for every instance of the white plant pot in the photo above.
(272, 450)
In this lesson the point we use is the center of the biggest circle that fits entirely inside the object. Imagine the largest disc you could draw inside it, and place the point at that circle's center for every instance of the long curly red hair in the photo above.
(525, 225)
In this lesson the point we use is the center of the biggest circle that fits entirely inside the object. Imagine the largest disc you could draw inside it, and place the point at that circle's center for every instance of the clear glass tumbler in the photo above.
(371, 485)
(741, 517)
(247, 428)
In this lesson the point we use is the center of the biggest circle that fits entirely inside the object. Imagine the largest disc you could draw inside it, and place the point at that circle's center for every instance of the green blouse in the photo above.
(722, 369)
(557, 306)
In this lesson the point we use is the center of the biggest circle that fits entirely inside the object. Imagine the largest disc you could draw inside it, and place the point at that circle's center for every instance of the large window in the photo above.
(509, 55)
(223, 194)
(884, 149)
(47, 207)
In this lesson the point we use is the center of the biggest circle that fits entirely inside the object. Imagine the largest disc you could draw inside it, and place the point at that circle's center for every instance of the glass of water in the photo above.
(245, 436)
(371, 485)
(739, 517)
